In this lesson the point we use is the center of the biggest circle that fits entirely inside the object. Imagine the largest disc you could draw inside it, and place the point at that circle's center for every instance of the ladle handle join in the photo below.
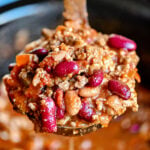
(76, 10)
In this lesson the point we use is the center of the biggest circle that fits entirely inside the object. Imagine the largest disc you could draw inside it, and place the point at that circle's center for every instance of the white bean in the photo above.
(89, 91)
(72, 103)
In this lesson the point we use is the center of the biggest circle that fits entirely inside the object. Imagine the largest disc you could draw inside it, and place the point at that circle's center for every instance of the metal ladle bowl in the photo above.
(70, 131)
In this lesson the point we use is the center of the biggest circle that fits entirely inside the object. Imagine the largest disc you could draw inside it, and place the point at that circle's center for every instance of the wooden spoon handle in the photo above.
(75, 10)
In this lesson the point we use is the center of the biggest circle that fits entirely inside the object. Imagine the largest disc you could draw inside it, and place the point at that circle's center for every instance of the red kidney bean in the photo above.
(11, 96)
(119, 88)
(48, 69)
(11, 66)
(16, 70)
(66, 67)
(134, 128)
(60, 113)
(59, 98)
(86, 112)
(118, 41)
(41, 52)
(96, 79)
(48, 115)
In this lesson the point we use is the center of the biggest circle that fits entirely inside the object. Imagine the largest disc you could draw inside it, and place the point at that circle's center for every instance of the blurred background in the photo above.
(21, 22)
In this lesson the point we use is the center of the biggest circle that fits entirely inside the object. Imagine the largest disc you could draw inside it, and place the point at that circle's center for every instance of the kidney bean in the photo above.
(60, 113)
(86, 112)
(72, 103)
(11, 66)
(66, 67)
(41, 52)
(89, 91)
(48, 69)
(118, 41)
(11, 96)
(16, 70)
(96, 79)
(48, 117)
(59, 98)
(119, 88)
(134, 128)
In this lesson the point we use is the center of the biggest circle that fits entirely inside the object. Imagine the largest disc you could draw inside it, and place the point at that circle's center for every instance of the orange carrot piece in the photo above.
(23, 59)
(131, 73)
(60, 28)
(137, 77)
